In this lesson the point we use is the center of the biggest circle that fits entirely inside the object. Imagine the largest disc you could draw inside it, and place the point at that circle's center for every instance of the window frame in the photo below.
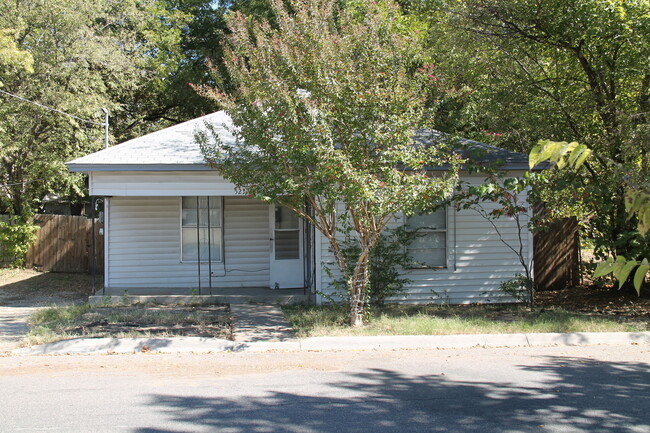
(445, 232)
(220, 227)
(297, 229)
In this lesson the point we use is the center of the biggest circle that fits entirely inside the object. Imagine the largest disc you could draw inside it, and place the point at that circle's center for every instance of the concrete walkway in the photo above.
(13, 324)
(257, 322)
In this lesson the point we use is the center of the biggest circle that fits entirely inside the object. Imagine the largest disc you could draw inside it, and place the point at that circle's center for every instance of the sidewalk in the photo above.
(406, 342)
(13, 324)
(256, 323)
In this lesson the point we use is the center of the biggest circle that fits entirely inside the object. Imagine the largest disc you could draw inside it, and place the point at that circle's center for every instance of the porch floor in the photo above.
(218, 296)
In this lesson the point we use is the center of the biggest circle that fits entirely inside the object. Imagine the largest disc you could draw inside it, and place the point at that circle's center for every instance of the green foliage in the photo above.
(562, 154)
(79, 56)
(637, 203)
(13, 58)
(560, 70)
(16, 236)
(573, 155)
(545, 69)
(325, 103)
(388, 260)
(520, 288)
(621, 269)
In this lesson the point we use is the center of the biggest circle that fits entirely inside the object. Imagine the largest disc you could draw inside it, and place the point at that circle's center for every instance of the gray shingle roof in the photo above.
(171, 148)
(174, 148)
(482, 153)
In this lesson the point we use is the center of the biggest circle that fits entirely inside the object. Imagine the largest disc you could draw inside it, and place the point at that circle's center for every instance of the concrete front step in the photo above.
(201, 299)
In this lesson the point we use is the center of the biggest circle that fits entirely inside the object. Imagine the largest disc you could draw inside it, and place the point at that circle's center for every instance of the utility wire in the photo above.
(52, 109)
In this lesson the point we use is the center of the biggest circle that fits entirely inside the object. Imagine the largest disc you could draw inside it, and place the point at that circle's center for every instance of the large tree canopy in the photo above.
(525, 70)
(325, 105)
(84, 55)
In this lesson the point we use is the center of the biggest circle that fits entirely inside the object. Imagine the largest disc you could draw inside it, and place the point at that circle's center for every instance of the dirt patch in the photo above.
(42, 288)
(602, 301)
(141, 320)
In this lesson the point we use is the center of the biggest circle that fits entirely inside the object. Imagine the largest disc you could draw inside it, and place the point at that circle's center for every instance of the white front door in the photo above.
(287, 266)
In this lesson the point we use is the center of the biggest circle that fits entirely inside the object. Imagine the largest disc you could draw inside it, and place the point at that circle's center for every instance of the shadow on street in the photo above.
(568, 394)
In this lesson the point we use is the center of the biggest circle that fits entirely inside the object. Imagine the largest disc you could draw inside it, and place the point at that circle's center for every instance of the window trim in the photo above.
(180, 222)
(413, 266)
(298, 229)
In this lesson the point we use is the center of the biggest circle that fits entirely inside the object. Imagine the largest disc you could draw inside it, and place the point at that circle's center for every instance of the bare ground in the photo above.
(20, 286)
(596, 300)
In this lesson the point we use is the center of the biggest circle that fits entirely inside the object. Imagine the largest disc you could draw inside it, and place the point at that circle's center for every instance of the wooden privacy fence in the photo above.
(557, 255)
(64, 244)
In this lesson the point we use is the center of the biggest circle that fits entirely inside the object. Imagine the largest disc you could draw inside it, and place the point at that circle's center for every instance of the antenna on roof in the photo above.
(105, 125)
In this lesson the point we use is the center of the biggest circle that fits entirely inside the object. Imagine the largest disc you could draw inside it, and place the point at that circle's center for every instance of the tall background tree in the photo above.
(524, 70)
(325, 103)
(126, 56)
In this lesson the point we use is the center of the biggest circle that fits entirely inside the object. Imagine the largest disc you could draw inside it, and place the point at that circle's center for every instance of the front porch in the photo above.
(159, 295)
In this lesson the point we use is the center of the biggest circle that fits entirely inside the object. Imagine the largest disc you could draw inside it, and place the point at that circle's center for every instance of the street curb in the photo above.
(206, 345)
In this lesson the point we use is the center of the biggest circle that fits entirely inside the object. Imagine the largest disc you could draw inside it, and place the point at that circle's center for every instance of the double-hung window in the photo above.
(429, 248)
(201, 229)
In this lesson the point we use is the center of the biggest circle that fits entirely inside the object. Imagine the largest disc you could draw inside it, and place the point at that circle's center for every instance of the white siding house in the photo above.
(173, 224)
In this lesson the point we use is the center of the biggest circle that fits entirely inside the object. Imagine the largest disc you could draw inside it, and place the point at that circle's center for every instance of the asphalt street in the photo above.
(548, 389)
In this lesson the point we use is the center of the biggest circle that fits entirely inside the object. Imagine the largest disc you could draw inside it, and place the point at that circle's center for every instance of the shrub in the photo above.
(520, 288)
(388, 260)
(16, 236)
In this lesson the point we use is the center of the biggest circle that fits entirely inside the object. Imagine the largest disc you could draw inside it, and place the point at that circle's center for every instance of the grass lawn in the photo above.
(142, 320)
(311, 321)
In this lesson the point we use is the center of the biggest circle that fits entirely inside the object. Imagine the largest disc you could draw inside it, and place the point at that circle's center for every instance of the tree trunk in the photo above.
(358, 286)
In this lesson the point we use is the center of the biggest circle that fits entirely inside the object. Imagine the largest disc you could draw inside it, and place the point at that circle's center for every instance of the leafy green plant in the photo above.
(637, 204)
(622, 269)
(16, 236)
(388, 259)
(519, 288)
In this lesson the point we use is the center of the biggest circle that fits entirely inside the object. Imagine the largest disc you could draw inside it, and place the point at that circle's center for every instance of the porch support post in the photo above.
(93, 265)
(209, 250)
(198, 241)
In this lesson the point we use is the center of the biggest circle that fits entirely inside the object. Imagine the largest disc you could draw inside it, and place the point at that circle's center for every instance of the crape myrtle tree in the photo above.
(324, 104)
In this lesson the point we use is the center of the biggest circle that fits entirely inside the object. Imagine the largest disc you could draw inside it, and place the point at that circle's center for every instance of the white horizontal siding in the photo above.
(159, 184)
(143, 242)
(478, 261)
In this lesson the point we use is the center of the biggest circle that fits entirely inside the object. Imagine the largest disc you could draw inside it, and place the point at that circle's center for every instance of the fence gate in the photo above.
(557, 255)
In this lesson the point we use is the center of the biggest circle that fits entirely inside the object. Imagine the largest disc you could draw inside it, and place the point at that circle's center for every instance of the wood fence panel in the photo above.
(64, 244)
(557, 256)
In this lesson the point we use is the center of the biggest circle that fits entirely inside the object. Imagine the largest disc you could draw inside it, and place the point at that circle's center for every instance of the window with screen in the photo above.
(429, 248)
(201, 231)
